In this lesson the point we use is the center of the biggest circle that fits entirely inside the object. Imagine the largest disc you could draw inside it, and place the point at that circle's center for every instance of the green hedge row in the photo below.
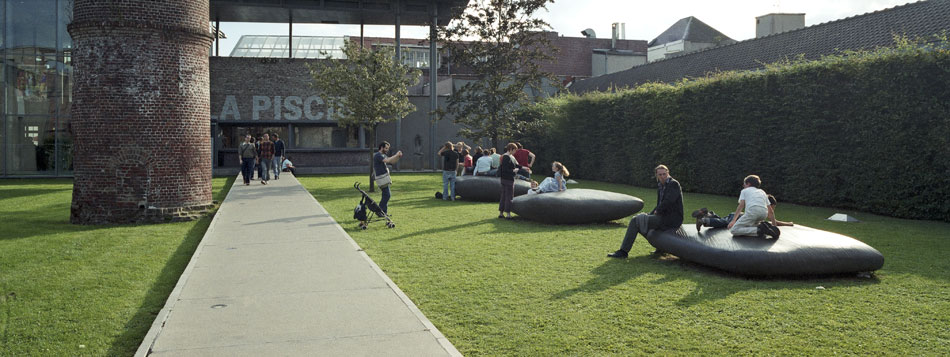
(868, 131)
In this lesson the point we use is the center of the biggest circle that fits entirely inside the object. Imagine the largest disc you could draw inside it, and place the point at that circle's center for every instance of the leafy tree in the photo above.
(502, 43)
(368, 88)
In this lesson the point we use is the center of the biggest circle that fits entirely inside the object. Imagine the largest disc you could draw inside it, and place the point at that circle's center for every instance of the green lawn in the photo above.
(497, 287)
(82, 290)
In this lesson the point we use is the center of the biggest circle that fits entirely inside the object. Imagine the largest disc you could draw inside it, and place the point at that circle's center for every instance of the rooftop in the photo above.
(370, 12)
(867, 31)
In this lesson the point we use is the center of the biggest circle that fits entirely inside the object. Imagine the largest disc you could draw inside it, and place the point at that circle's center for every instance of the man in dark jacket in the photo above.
(278, 155)
(668, 213)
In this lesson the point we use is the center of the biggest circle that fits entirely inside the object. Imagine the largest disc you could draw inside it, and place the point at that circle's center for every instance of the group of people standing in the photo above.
(514, 163)
(263, 155)
(754, 216)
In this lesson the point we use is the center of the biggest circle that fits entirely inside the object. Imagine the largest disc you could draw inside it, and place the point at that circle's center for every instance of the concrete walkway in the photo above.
(276, 275)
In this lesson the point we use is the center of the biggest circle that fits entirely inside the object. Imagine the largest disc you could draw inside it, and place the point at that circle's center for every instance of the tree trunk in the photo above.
(372, 154)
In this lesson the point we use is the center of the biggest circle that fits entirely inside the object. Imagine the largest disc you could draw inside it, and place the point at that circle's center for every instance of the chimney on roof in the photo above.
(618, 30)
(589, 33)
(771, 24)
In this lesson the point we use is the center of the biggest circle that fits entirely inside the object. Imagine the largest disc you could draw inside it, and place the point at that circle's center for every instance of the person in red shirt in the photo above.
(266, 158)
(524, 157)
(467, 161)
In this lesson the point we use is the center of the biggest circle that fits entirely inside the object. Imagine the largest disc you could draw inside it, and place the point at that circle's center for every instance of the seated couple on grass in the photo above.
(551, 184)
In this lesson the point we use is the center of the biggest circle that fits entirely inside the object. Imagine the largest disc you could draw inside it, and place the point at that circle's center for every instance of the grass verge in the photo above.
(497, 287)
(83, 290)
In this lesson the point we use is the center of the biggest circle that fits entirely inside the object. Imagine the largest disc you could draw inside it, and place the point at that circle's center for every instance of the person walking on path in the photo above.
(668, 213)
(380, 160)
(278, 155)
(509, 166)
(450, 161)
(248, 154)
(267, 158)
(258, 165)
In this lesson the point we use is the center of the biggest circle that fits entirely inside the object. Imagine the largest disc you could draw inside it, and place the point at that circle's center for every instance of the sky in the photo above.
(644, 19)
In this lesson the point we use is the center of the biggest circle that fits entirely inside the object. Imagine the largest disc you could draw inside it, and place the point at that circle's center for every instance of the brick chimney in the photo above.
(140, 114)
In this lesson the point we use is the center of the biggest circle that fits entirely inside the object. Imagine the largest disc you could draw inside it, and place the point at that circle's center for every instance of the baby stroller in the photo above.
(367, 208)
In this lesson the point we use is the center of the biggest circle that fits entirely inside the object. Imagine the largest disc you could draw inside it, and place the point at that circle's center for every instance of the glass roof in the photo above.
(276, 46)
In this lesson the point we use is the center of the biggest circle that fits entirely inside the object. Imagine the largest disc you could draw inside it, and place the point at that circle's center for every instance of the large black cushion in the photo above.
(576, 206)
(798, 251)
(485, 188)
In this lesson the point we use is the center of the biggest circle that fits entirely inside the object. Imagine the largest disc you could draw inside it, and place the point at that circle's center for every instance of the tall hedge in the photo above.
(868, 131)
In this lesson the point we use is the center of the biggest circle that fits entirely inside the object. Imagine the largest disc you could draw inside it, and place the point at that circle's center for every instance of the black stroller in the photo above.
(367, 208)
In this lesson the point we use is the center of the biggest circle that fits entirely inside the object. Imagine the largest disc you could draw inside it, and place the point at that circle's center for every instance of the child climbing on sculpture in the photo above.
(707, 218)
(754, 202)
(552, 184)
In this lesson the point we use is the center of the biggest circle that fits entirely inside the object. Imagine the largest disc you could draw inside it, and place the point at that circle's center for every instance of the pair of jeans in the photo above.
(507, 194)
(247, 169)
(719, 222)
(641, 223)
(448, 185)
(384, 201)
(276, 166)
(265, 168)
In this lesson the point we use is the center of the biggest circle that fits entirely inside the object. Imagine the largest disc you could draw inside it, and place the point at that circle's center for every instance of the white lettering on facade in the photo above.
(230, 108)
(284, 108)
(292, 104)
(308, 107)
(259, 104)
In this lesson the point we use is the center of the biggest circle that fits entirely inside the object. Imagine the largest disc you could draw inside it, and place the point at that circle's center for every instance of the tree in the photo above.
(368, 88)
(506, 54)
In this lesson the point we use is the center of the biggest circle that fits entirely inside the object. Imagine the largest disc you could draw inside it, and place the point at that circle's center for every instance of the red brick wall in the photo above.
(574, 57)
(140, 110)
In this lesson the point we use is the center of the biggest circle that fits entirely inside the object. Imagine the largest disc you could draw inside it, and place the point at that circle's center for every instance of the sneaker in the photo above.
(618, 254)
(700, 213)
(761, 230)
(773, 230)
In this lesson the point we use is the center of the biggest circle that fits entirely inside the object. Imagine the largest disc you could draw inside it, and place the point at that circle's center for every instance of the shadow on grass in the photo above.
(709, 285)
(8, 193)
(137, 327)
(445, 229)
(27, 224)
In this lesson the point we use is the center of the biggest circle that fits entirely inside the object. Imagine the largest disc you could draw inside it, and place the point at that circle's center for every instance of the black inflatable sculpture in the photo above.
(576, 206)
(485, 188)
(799, 251)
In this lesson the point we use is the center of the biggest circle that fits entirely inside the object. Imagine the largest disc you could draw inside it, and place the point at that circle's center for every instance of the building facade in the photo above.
(36, 83)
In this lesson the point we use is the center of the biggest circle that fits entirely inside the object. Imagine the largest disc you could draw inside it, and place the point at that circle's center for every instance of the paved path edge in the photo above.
(173, 298)
(446, 344)
(166, 311)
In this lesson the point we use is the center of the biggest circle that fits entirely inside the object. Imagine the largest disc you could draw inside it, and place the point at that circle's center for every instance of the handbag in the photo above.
(384, 180)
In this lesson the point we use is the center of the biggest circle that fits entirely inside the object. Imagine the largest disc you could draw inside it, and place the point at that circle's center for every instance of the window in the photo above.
(319, 137)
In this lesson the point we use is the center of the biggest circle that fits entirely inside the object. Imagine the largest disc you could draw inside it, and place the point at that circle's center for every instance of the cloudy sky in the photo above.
(644, 19)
